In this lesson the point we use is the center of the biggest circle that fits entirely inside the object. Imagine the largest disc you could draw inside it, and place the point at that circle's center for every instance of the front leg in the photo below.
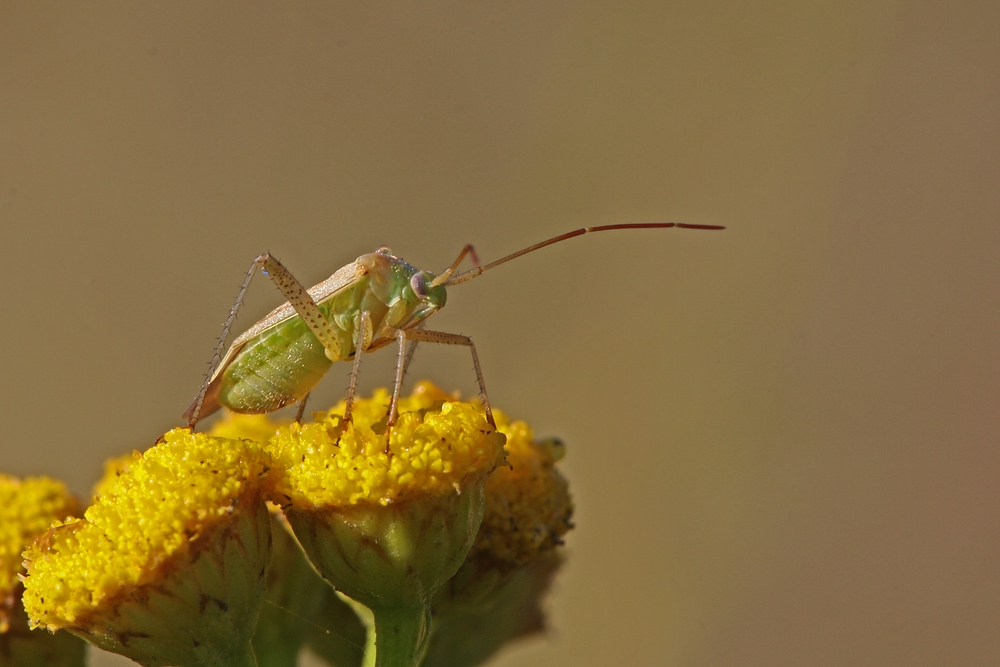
(441, 337)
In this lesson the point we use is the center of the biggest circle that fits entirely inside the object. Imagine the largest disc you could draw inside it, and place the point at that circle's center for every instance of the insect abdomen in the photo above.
(283, 364)
(277, 368)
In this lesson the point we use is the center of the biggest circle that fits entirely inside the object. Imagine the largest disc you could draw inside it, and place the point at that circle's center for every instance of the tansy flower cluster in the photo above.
(434, 446)
(528, 508)
(381, 536)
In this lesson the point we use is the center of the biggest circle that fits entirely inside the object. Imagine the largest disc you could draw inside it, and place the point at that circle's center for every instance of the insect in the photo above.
(366, 305)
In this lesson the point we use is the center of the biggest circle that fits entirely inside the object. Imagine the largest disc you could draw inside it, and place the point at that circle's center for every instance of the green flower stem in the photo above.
(402, 635)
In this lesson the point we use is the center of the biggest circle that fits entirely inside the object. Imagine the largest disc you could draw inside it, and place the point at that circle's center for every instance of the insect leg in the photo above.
(217, 355)
(420, 335)
(303, 303)
(411, 350)
(364, 339)
(297, 296)
(402, 361)
(406, 353)
(401, 364)
(302, 409)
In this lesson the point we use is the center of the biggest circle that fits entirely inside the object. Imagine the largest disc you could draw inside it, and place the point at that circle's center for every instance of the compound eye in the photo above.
(418, 283)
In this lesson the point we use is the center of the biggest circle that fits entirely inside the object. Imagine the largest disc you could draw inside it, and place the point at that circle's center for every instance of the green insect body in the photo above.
(376, 300)
(275, 364)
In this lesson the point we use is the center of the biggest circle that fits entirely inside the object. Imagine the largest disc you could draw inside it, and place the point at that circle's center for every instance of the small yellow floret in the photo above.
(113, 469)
(528, 507)
(165, 500)
(233, 425)
(435, 444)
(245, 427)
(28, 508)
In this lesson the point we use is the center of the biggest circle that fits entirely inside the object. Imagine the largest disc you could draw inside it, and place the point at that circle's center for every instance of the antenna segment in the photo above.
(472, 273)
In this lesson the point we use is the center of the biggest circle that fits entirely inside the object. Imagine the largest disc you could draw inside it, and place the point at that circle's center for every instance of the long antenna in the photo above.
(472, 273)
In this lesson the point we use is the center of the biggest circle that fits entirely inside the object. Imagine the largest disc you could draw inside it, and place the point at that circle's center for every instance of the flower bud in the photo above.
(495, 596)
(508, 608)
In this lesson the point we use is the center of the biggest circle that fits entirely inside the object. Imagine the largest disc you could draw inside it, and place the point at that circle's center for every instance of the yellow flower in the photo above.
(27, 508)
(167, 567)
(233, 425)
(113, 469)
(388, 529)
(435, 444)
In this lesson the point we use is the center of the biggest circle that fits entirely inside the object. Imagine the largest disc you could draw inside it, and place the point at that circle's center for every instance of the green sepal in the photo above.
(392, 558)
(393, 555)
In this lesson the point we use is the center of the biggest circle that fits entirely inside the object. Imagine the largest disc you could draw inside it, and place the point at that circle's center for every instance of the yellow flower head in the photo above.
(436, 443)
(387, 528)
(27, 508)
(154, 510)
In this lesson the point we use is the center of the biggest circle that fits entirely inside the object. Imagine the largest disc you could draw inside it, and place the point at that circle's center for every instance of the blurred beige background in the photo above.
(783, 438)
